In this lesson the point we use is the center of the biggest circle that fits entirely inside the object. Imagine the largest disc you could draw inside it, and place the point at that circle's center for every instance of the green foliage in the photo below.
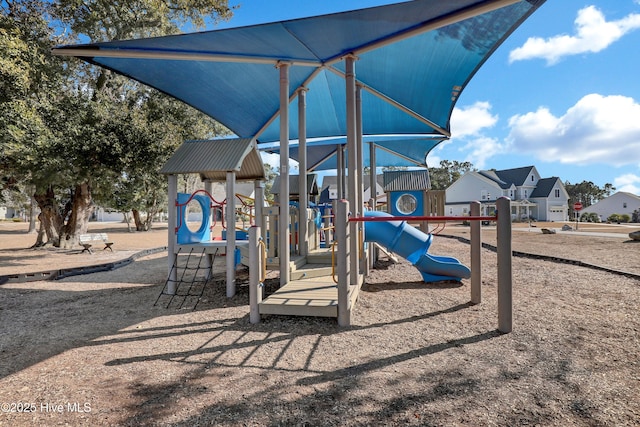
(448, 173)
(270, 174)
(587, 192)
(105, 20)
(65, 123)
(619, 218)
(589, 217)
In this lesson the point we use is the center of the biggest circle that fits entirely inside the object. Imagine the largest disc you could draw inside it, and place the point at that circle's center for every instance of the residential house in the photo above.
(542, 199)
(618, 203)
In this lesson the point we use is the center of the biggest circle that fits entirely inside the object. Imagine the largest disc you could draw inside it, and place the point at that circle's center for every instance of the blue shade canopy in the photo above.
(391, 150)
(413, 60)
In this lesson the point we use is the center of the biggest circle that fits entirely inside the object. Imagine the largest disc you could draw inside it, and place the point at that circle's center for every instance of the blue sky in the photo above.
(561, 93)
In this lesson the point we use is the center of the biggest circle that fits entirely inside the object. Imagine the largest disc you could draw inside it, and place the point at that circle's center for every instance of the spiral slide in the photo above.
(412, 244)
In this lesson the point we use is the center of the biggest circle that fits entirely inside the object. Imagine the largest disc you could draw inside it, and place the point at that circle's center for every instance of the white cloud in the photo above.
(472, 120)
(433, 160)
(598, 129)
(628, 182)
(274, 161)
(467, 126)
(481, 149)
(592, 34)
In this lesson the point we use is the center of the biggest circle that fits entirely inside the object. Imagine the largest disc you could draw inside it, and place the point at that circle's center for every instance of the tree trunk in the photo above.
(128, 221)
(78, 223)
(50, 219)
(151, 213)
(40, 237)
(137, 218)
(32, 216)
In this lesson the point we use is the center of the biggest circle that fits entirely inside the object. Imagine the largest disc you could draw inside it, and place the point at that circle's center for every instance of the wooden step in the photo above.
(321, 256)
(307, 297)
(273, 263)
(309, 271)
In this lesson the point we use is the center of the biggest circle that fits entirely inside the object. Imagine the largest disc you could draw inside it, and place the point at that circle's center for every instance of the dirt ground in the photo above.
(94, 349)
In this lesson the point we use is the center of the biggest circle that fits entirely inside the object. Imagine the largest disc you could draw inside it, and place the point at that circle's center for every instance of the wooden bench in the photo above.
(86, 241)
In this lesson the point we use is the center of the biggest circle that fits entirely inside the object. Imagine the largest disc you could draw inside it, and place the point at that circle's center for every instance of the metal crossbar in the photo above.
(422, 218)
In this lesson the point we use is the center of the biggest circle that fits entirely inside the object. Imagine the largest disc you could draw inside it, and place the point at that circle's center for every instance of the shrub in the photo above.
(590, 217)
(618, 218)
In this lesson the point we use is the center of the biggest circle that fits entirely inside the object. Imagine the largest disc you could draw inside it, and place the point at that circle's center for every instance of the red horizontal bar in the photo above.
(422, 218)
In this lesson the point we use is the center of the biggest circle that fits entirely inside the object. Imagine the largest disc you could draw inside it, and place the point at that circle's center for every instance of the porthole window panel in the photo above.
(406, 204)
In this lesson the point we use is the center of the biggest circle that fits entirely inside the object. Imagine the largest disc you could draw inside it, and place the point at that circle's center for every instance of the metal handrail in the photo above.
(333, 261)
(263, 247)
(422, 218)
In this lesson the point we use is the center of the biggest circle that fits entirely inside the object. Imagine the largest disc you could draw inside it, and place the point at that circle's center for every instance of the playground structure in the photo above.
(337, 300)
(323, 271)
(227, 160)
(250, 85)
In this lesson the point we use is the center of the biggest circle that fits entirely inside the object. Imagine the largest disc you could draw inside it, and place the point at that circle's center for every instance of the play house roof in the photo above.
(213, 158)
(406, 180)
(413, 60)
(294, 185)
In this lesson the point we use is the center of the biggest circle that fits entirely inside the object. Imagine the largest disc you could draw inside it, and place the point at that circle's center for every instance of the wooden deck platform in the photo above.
(317, 296)
(311, 291)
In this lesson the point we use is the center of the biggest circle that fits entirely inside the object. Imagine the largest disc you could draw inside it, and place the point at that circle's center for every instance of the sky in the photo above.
(561, 93)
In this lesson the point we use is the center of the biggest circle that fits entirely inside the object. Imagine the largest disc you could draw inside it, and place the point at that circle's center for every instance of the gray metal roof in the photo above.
(406, 180)
(294, 185)
(213, 158)
(332, 181)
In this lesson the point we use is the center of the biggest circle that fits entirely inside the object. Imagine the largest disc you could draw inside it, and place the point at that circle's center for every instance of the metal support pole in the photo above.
(373, 252)
(208, 259)
(505, 276)
(255, 271)
(208, 187)
(283, 218)
(352, 150)
(171, 233)
(373, 179)
(360, 183)
(476, 255)
(258, 192)
(231, 234)
(343, 263)
(359, 149)
(340, 171)
(303, 243)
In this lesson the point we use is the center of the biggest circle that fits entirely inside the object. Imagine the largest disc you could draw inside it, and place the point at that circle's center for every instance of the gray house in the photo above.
(618, 203)
(543, 199)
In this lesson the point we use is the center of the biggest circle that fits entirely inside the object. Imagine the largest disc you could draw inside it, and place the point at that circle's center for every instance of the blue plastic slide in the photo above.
(412, 244)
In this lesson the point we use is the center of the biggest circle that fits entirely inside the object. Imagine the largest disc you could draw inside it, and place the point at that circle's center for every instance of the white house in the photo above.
(618, 203)
(543, 199)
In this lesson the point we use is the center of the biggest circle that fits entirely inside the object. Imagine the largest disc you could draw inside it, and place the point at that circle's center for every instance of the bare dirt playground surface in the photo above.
(94, 350)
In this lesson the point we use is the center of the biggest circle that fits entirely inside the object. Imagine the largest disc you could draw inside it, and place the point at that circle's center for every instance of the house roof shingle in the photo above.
(516, 176)
(544, 187)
